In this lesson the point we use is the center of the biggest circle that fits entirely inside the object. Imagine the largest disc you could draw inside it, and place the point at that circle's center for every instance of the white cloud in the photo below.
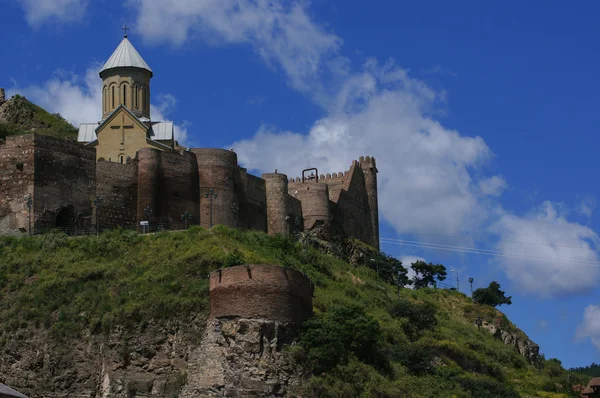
(587, 205)
(493, 186)
(282, 33)
(590, 326)
(38, 12)
(565, 252)
(79, 99)
(425, 181)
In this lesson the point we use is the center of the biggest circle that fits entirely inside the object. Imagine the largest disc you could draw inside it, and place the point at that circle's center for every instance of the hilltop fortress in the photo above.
(127, 168)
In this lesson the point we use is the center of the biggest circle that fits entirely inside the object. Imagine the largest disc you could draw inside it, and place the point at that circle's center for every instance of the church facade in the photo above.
(127, 169)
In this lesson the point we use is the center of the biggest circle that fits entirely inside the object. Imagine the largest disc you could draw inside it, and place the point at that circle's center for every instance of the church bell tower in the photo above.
(126, 81)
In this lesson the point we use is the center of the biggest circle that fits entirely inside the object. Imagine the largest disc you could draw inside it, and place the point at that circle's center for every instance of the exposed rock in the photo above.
(243, 358)
(524, 347)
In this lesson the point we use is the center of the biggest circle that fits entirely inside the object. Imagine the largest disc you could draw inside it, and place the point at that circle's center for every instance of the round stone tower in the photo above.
(217, 171)
(277, 207)
(126, 81)
(314, 197)
(267, 292)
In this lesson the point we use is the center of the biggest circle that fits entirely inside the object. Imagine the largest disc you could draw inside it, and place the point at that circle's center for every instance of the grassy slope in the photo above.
(93, 283)
(34, 117)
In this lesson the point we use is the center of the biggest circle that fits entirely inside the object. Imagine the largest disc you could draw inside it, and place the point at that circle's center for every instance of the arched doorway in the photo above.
(66, 220)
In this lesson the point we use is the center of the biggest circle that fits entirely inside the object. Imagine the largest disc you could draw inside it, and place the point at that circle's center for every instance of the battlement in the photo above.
(362, 162)
(261, 291)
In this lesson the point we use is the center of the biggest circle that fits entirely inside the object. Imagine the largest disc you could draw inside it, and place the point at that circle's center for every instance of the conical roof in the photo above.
(125, 56)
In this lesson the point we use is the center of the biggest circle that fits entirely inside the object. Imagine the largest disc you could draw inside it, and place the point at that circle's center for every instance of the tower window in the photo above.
(113, 96)
(124, 97)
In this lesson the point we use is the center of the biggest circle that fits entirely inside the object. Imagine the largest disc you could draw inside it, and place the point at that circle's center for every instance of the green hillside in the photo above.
(19, 116)
(364, 341)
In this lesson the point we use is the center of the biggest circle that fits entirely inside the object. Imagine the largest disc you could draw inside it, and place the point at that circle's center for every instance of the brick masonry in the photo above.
(63, 179)
(261, 291)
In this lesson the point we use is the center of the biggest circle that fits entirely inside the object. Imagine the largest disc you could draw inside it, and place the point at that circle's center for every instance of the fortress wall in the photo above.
(65, 183)
(314, 197)
(117, 184)
(369, 167)
(261, 291)
(180, 188)
(352, 209)
(295, 214)
(277, 204)
(254, 214)
(217, 169)
(150, 187)
(16, 182)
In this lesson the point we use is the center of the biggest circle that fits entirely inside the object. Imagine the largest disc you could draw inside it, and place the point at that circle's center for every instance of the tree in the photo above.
(491, 295)
(426, 274)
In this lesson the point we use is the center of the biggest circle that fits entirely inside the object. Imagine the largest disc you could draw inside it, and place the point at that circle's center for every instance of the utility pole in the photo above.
(235, 209)
(97, 202)
(29, 203)
(210, 195)
(457, 281)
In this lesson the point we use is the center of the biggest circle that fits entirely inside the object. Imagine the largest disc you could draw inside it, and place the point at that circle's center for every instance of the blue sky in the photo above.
(483, 119)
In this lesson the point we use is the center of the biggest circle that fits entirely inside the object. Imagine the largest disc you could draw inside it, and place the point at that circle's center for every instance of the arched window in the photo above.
(133, 101)
(143, 99)
(124, 97)
(104, 101)
(113, 96)
(121, 159)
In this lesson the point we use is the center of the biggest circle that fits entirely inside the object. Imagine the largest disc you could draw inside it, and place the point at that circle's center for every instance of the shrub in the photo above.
(420, 317)
(417, 359)
(332, 337)
(234, 258)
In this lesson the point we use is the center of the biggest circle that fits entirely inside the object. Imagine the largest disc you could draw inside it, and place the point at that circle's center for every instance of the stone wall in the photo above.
(65, 184)
(16, 182)
(117, 184)
(168, 184)
(58, 174)
(253, 202)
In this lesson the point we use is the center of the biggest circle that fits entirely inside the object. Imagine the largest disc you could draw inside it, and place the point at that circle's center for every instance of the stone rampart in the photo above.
(261, 291)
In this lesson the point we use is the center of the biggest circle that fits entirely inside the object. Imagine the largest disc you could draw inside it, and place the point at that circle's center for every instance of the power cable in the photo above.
(473, 250)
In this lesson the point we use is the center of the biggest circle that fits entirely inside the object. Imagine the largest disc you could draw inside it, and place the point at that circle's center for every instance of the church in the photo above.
(126, 126)
(126, 170)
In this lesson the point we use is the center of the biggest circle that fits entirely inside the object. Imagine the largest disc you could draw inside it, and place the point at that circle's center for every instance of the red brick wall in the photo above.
(261, 291)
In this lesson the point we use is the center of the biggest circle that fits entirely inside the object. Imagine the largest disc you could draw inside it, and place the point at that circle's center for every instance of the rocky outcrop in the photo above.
(151, 362)
(523, 346)
(243, 358)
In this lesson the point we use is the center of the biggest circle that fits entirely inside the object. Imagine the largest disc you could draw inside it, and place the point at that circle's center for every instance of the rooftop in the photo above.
(125, 56)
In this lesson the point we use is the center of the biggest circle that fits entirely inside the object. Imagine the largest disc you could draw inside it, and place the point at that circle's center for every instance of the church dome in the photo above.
(125, 56)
